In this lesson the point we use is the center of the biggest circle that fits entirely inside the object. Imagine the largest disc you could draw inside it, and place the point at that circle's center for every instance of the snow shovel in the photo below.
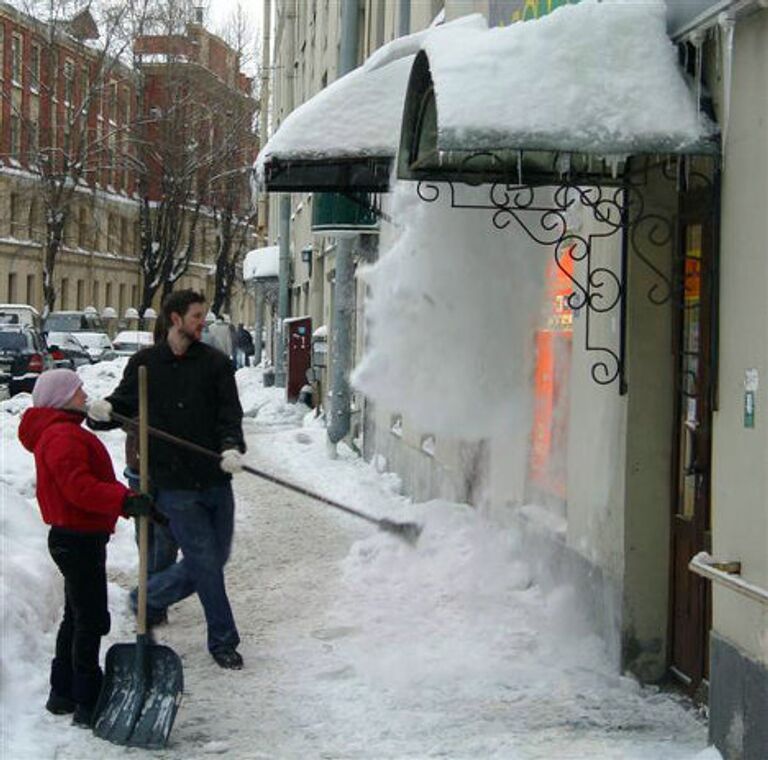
(407, 531)
(143, 682)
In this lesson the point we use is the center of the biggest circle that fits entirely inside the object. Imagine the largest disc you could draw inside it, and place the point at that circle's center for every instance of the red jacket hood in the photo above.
(36, 419)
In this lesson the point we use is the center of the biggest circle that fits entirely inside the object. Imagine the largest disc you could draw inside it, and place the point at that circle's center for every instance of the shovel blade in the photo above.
(143, 684)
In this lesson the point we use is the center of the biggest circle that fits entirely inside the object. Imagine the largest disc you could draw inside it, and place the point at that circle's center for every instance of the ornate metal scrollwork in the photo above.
(617, 204)
(597, 290)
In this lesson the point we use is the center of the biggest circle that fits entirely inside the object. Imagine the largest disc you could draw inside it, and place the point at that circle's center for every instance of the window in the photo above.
(113, 243)
(126, 106)
(81, 294)
(15, 214)
(64, 294)
(135, 295)
(85, 82)
(121, 300)
(30, 289)
(33, 140)
(82, 228)
(12, 279)
(69, 81)
(34, 65)
(15, 135)
(108, 294)
(16, 57)
(124, 242)
(34, 212)
(95, 294)
(112, 112)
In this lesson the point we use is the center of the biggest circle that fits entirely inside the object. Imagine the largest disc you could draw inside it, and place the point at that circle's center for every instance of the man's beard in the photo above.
(191, 335)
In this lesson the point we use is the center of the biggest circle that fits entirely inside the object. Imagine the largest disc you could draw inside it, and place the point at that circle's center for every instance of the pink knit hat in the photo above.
(55, 388)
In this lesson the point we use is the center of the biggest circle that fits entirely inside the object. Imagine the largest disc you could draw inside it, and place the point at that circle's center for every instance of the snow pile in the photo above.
(451, 317)
(261, 263)
(593, 77)
(265, 408)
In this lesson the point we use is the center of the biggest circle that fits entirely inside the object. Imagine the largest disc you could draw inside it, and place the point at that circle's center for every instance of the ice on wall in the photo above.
(451, 316)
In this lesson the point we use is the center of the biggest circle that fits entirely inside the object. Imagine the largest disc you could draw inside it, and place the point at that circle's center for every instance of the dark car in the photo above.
(67, 351)
(23, 356)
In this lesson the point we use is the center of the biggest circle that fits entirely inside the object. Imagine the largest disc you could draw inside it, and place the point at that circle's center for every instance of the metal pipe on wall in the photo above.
(284, 274)
(344, 286)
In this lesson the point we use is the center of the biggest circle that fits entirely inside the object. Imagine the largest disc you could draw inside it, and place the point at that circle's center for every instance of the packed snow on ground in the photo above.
(356, 645)
(452, 309)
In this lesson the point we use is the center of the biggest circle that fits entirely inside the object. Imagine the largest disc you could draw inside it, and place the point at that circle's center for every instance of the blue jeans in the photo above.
(202, 522)
(162, 547)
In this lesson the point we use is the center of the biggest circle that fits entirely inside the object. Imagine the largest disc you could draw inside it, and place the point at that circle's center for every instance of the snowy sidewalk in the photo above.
(355, 645)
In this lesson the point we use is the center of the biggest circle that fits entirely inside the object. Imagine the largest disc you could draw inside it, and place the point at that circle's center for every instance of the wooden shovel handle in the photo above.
(141, 610)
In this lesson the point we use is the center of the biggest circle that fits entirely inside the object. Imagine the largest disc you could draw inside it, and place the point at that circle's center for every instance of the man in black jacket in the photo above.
(192, 396)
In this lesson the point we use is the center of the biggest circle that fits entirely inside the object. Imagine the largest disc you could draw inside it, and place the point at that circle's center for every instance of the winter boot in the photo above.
(60, 700)
(85, 692)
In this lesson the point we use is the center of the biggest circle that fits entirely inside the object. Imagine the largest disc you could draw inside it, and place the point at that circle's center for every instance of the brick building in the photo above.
(68, 119)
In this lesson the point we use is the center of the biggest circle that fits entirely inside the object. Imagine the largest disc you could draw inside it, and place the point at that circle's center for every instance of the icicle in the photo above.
(726, 24)
(697, 40)
(520, 167)
(564, 164)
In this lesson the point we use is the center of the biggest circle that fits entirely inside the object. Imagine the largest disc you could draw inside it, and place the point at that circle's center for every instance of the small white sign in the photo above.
(751, 380)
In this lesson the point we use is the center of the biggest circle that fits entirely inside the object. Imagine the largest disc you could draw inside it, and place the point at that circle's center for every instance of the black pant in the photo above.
(81, 558)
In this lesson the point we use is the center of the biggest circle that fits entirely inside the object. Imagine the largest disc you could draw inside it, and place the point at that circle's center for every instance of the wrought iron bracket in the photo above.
(545, 213)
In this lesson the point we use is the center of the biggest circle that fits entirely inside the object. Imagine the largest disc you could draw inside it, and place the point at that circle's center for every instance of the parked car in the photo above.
(19, 314)
(74, 322)
(98, 345)
(23, 356)
(67, 351)
(129, 342)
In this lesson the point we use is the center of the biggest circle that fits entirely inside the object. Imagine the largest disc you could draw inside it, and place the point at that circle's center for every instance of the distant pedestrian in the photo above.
(245, 344)
(80, 498)
(193, 396)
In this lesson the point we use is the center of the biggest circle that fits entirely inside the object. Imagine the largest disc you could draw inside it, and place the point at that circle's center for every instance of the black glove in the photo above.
(140, 505)
(137, 505)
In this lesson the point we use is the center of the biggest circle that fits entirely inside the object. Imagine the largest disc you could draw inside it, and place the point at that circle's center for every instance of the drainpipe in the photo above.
(344, 287)
(284, 273)
(263, 207)
(258, 322)
(404, 18)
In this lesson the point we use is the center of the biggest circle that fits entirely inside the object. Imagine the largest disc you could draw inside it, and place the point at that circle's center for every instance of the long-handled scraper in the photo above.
(407, 531)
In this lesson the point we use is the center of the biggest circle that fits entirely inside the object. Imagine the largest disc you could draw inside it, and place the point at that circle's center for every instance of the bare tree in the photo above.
(61, 140)
(190, 137)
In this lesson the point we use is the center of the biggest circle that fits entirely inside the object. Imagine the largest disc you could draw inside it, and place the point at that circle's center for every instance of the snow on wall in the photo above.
(451, 318)
(594, 76)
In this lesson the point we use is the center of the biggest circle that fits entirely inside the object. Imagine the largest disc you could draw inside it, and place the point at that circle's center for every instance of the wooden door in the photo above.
(690, 614)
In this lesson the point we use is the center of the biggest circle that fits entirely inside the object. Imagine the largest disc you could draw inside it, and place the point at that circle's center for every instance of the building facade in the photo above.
(635, 472)
(59, 104)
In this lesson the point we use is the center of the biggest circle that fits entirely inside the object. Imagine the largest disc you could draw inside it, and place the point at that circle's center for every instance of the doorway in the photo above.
(695, 370)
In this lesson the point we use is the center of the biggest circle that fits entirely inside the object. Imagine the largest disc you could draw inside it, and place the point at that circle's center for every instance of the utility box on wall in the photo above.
(298, 342)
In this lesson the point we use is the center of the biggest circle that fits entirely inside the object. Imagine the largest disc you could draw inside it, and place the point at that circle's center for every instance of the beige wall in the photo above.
(740, 455)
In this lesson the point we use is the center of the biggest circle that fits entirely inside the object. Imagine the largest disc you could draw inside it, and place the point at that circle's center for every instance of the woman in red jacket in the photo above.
(80, 499)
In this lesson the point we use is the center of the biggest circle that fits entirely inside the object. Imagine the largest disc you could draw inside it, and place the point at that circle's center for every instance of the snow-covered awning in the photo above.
(590, 81)
(346, 136)
(261, 263)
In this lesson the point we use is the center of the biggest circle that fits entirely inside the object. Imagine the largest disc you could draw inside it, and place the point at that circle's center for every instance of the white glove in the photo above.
(231, 461)
(100, 410)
